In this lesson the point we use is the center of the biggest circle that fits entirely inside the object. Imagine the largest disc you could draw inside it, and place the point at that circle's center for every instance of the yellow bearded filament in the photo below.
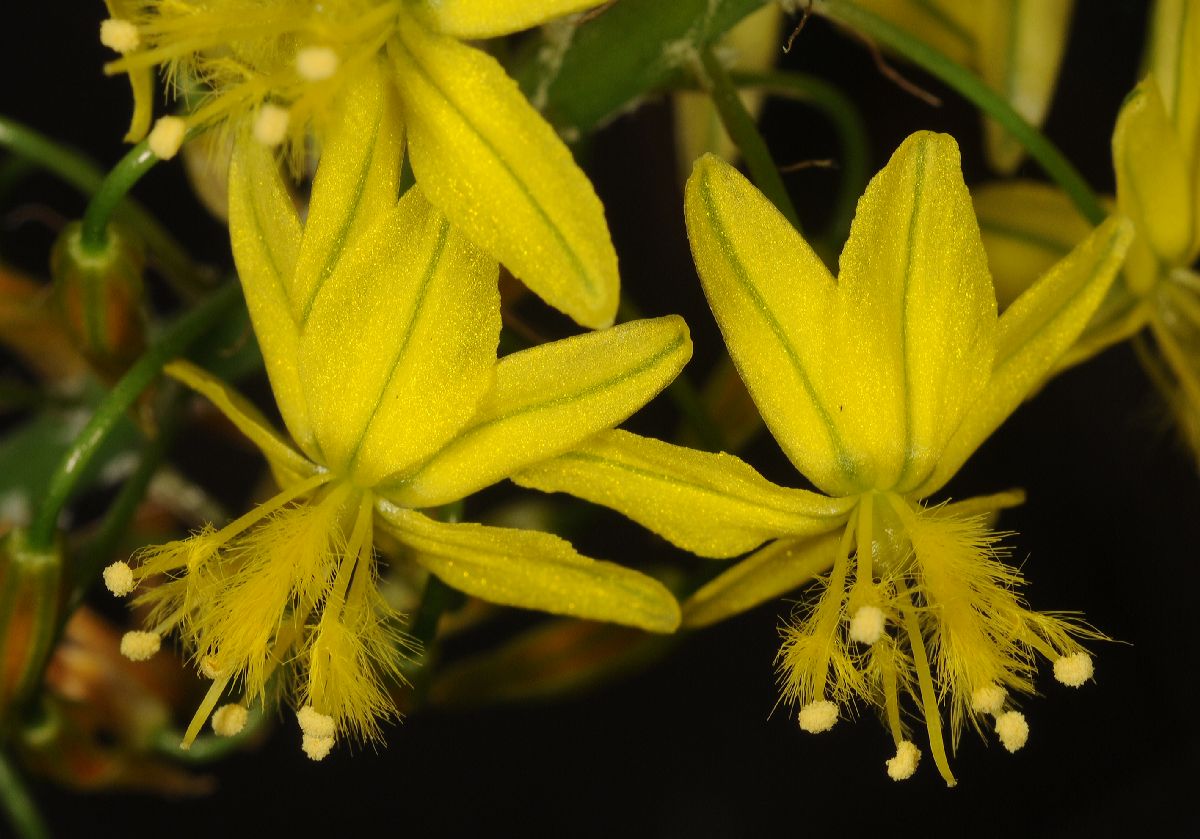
(215, 691)
(974, 609)
(269, 569)
(815, 646)
(355, 648)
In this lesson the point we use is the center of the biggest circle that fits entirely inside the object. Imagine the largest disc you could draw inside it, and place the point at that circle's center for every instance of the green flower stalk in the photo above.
(878, 386)
(480, 151)
(379, 323)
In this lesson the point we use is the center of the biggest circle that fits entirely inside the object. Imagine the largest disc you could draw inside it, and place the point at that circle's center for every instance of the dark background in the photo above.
(691, 747)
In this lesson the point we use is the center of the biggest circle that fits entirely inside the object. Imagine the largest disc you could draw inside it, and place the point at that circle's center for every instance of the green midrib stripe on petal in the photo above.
(683, 482)
(426, 280)
(751, 291)
(339, 242)
(260, 234)
(910, 241)
(557, 401)
(580, 268)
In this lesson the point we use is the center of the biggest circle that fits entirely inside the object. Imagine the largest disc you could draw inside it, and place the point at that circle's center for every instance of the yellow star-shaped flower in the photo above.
(379, 322)
(480, 151)
(878, 386)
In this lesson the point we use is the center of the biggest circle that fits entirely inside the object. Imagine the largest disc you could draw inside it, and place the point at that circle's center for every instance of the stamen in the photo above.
(929, 704)
(229, 719)
(1075, 669)
(118, 577)
(988, 699)
(166, 137)
(818, 717)
(206, 707)
(119, 35)
(314, 723)
(317, 748)
(316, 63)
(210, 668)
(904, 764)
(1012, 729)
(140, 646)
(867, 625)
(270, 128)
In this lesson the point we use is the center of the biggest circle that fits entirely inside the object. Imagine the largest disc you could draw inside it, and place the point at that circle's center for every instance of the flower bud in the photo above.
(99, 297)
(30, 606)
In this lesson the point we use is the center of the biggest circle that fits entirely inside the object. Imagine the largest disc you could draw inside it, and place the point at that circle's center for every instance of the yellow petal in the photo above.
(401, 342)
(1173, 58)
(917, 313)
(289, 465)
(532, 570)
(1035, 332)
(981, 505)
(1154, 187)
(265, 234)
(490, 18)
(772, 297)
(357, 179)
(949, 26)
(713, 505)
(1027, 227)
(772, 571)
(546, 400)
(1021, 46)
(492, 164)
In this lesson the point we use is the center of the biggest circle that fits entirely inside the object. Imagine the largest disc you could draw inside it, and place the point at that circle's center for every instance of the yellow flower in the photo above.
(480, 151)
(379, 322)
(1016, 47)
(1156, 155)
(878, 386)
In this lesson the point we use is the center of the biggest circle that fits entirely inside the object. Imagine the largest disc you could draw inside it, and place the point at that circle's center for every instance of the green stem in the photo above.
(847, 122)
(174, 341)
(740, 126)
(974, 89)
(100, 549)
(684, 394)
(18, 804)
(80, 172)
(112, 191)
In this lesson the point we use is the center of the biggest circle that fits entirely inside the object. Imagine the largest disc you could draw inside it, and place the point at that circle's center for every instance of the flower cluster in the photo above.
(420, 415)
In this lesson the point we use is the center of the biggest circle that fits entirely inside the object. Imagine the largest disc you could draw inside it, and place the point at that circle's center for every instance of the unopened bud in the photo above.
(99, 297)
